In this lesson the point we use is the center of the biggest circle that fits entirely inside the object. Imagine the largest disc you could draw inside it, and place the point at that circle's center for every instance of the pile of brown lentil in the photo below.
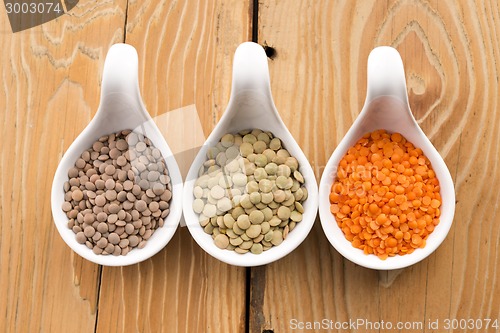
(249, 193)
(386, 196)
(118, 193)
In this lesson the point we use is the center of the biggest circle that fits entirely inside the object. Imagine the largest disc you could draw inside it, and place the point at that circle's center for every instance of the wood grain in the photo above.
(50, 86)
(185, 54)
(450, 51)
(49, 91)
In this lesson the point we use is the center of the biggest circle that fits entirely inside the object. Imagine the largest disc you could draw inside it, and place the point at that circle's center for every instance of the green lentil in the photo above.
(283, 153)
(230, 233)
(209, 228)
(286, 230)
(237, 211)
(266, 198)
(237, 230)
(284, 170)
(239, 179)
(299, 177)
(212, 152)
(259, 147)
(265, 185)
(275, 144)
(259, 238)
(224, 204)
(255, 198)
(284, 213)
(246, 245)
(260, 174)
(233, 166)
(268, 213)
(245, 201)
(228, 221)
(243, 222)
(299, 194)
(277, 237)
(256, 217)
(246, 149)
(198, 192)
(198, 205)
(236, 241)
(270, 154)
(250, 138)
(256, 131)
(260, 206)
(292, 163)
(221, 241)
(217, 192)
(296, 216)
(209, 210)
(253, 231)
(257, 248)
(260, 160)
(265, 227)
(295, 186)
(227, 140)
(275, 221)
(279, 196)
(249, 192)
(264, 137)
(252, 186)
(271, 168)
(281, 182)
(299, 207)
(232, 153)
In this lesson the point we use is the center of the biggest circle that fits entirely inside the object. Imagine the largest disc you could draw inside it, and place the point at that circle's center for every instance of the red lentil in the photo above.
(386, 196)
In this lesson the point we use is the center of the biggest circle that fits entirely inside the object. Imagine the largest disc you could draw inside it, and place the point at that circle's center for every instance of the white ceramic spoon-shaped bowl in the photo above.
(251, 106)
(386, 107)
(121, 108)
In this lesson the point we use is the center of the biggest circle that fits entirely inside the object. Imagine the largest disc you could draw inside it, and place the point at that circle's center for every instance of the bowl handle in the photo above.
(386, 75)
(120, 76)
(250, 69)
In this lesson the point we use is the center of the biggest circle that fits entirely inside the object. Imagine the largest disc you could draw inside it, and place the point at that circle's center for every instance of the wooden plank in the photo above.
(185, 55)
(450, 51)
(49, 91)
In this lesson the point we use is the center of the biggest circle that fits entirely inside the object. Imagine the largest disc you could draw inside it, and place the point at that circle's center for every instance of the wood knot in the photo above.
(270, 51)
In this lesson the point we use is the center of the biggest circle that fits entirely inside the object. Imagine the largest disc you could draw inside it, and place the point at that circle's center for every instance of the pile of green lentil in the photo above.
(249, 192)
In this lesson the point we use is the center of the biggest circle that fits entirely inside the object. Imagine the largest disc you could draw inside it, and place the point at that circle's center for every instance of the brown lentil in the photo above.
(117, 182)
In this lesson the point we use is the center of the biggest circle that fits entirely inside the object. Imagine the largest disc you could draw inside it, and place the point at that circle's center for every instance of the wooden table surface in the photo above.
(49, 90)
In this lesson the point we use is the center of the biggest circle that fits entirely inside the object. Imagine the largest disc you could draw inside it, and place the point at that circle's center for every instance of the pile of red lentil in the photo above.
(386, 195)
